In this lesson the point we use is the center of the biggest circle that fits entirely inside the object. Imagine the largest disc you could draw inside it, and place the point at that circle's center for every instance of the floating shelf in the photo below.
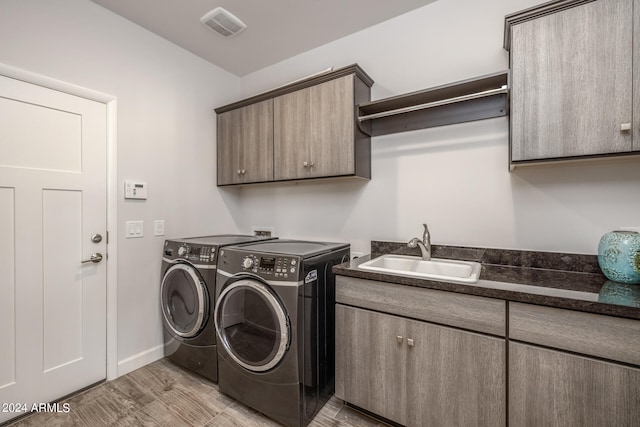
(468, 100)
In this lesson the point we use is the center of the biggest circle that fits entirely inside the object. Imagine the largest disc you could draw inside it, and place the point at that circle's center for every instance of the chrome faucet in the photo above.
(424, 245)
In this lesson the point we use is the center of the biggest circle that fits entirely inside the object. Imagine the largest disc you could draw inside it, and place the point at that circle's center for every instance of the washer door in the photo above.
(252, 324)
(185, 300)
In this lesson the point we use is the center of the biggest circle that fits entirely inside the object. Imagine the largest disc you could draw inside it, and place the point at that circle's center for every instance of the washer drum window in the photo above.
(185, 301)
(252, 325)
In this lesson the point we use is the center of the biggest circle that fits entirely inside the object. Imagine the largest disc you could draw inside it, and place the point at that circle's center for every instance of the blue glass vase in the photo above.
(619, 256)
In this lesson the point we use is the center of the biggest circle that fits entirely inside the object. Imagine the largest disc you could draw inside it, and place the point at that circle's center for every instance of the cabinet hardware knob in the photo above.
(410, 342)
(305, 164)
(399, 339)
(239, 172)
(243, 171)
(310, 164)
(625, 127)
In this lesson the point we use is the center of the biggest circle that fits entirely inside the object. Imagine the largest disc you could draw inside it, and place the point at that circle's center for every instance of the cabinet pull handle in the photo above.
(399, 339)
(625, 127)
(410, 342)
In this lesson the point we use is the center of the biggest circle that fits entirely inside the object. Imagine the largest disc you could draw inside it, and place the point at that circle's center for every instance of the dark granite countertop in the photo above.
(559, 280)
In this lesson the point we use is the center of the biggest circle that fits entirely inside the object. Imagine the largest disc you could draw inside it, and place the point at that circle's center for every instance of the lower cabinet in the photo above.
(553, 388)
(419, 374)
(557, 372)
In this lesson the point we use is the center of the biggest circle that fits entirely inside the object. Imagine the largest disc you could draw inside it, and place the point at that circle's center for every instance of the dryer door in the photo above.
(185, 301)
(252, 324)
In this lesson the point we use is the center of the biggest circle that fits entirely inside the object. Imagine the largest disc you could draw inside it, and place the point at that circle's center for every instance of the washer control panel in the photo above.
(272, 267)
(195, 253)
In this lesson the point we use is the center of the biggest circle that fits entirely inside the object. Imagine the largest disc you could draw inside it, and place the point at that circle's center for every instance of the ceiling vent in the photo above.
(223, 22)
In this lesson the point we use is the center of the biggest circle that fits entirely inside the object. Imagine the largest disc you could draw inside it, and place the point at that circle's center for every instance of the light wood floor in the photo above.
(163, 394)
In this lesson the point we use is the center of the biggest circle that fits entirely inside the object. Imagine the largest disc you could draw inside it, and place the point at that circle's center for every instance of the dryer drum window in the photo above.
(252, 325)
(184, 300)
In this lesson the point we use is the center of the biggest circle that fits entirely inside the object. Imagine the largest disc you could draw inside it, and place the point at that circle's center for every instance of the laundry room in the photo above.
(157, 105)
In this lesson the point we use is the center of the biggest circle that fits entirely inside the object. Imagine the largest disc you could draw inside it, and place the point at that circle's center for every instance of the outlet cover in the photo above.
(263, 231)
(158, 227)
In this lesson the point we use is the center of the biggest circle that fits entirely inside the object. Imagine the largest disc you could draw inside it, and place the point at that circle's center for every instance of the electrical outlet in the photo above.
(263, 231)
(158, 227)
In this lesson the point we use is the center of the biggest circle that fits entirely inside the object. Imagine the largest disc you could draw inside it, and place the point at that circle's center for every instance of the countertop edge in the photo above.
(488, 289)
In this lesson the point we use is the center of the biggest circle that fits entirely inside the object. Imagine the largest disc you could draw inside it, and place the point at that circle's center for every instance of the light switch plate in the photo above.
(135, 229)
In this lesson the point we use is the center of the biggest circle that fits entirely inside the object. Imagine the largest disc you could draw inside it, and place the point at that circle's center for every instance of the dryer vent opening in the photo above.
(223, 22)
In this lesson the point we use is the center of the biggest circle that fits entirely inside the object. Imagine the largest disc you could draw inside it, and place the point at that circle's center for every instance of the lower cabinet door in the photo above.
(553, 388)
(370, 361)
(419, 374)
(454, 378)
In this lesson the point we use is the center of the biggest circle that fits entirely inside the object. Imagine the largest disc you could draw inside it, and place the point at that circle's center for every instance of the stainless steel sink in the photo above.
(434, 269)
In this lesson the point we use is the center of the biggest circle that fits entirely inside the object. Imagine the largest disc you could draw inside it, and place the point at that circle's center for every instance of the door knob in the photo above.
(95, 258)
(96, 238)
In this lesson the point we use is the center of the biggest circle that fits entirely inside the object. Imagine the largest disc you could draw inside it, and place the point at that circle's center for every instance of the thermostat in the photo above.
(135, 190)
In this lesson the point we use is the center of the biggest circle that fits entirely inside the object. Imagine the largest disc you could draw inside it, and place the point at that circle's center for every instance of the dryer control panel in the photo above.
(271, 267)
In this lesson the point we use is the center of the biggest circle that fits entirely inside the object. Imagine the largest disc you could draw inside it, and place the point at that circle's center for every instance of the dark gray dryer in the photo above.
(274, 315)
(187, 292)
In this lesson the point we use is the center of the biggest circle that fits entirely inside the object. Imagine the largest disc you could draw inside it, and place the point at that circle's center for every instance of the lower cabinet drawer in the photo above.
(471, 312)
(591, 334)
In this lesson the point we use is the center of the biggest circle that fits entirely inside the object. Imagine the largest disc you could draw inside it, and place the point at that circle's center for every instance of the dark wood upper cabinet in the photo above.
(304, 130)
(572, 80)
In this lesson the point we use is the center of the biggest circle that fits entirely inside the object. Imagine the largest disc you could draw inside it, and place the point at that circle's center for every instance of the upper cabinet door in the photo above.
(314, 131)
(292, 119)
(245, 144)
(332, 128)
(572, 82)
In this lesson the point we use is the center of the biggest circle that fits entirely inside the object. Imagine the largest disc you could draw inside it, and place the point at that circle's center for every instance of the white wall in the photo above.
(455, 178)
(165, 134)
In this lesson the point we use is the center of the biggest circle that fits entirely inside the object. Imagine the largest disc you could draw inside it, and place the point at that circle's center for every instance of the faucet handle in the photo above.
(426, 234)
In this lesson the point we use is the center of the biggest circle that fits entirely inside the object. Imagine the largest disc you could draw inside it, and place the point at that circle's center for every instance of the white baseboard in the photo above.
(139, 360)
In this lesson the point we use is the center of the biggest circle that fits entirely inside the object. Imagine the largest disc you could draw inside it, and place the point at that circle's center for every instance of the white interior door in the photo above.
(52, 201)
